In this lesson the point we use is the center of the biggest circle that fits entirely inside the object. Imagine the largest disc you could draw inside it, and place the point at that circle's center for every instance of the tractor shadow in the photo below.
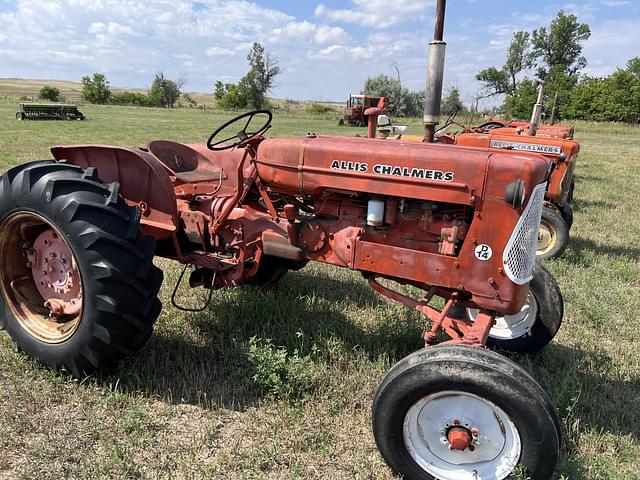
(585, 400)
(581, 251)
(202, 359)
(581, 205)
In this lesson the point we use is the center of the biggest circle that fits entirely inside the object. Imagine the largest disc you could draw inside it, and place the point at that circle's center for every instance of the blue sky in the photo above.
(326, 48)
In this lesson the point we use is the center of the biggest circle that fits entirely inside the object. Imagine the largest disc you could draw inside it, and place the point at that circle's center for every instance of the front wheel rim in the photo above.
(40, 280)
(494, 445)
(547, 238)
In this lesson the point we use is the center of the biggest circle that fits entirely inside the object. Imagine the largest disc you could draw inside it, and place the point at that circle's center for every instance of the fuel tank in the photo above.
(421, 171)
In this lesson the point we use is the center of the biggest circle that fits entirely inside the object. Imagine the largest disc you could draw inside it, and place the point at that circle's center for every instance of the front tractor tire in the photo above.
(458, 413)
(553, 236)
(538, 321)
(78, 289)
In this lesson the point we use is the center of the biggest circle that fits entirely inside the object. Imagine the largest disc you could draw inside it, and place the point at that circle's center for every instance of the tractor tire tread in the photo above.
(115, 262)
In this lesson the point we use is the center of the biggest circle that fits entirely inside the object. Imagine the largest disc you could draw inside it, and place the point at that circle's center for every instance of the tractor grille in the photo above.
(520, 254)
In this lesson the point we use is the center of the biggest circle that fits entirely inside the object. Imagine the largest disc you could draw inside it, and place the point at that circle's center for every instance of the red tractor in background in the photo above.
(357, 105)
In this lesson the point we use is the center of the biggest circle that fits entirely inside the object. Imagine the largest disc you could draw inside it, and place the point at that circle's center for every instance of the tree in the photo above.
(560, 46)
(261, 77)
(614, 98)
(505, 80)
(402, 101)
(633, 66)
(95, 89)
(165, 92)
(519, 104)
(252, 89)
(559, 53)
(452, 103)
(229, 96)
(47, 92)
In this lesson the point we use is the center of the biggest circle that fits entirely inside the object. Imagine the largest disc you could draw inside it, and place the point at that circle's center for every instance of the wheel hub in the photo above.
(460, 438)
(546, 238)
(54, 274)
(451, 434)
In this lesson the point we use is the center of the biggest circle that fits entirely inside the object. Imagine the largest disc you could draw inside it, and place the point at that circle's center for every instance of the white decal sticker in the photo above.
(527, 147)
(483, 252)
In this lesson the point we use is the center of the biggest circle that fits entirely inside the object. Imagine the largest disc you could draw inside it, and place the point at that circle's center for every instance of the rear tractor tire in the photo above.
(553, 236)
(458, 413)
(78, 289)
(531, 329)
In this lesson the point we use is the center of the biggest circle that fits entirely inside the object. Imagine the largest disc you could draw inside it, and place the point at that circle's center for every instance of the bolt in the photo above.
(456, 422)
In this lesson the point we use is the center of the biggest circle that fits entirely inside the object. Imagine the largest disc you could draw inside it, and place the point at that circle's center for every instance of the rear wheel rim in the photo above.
(39, 278)
(494, 445)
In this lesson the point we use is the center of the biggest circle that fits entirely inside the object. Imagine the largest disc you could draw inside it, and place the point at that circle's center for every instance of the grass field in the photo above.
(188, 406)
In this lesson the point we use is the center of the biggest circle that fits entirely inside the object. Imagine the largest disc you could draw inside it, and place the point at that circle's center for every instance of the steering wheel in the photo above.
(490, 125)
(243, 136)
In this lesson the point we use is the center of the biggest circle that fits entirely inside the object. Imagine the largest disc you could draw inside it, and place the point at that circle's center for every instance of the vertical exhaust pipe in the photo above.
(536, 115)
(435, 75)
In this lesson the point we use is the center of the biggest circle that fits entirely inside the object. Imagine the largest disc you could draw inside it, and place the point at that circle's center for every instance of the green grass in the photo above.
(204, 400)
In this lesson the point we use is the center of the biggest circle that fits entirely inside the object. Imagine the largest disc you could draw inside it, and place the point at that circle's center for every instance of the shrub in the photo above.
(282, 374)
(95, 89)
(47, 92)
(317, 109)
(130, 98)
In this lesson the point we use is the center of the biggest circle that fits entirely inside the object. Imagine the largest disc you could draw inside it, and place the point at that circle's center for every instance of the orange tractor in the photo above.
(78, 289)
(554, 142)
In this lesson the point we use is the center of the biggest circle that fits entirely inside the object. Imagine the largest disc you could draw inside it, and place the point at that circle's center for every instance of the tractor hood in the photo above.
(313, 164)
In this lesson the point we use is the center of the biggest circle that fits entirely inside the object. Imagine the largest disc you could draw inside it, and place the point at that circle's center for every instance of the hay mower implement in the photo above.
(78, 289)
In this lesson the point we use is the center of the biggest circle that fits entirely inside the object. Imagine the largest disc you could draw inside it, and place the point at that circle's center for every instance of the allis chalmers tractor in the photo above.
(78, 289)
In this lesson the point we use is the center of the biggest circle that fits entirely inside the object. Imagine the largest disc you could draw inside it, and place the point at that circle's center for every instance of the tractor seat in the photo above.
(185, 163)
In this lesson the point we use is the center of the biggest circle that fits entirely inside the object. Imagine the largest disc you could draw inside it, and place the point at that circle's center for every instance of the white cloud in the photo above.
(326, 34)
(307, 32)
(379, 14)
(219, 52)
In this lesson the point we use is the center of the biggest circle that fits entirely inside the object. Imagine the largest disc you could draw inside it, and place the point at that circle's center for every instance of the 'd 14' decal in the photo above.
(483, 252)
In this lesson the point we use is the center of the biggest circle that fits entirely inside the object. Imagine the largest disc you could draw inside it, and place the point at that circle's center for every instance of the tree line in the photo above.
(163, 92)
(554, 55)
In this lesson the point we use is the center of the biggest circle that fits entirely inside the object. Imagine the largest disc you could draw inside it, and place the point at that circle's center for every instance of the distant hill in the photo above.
(14, 88)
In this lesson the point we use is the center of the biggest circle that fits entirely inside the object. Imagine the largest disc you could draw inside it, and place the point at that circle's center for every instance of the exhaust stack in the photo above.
(534, 124)
(435, 75)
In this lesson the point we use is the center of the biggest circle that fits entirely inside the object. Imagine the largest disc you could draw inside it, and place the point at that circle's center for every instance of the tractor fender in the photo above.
(144, 181)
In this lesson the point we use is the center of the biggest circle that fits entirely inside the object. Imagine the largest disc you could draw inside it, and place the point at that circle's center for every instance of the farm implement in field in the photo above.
(78, 287)
(49, 111)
